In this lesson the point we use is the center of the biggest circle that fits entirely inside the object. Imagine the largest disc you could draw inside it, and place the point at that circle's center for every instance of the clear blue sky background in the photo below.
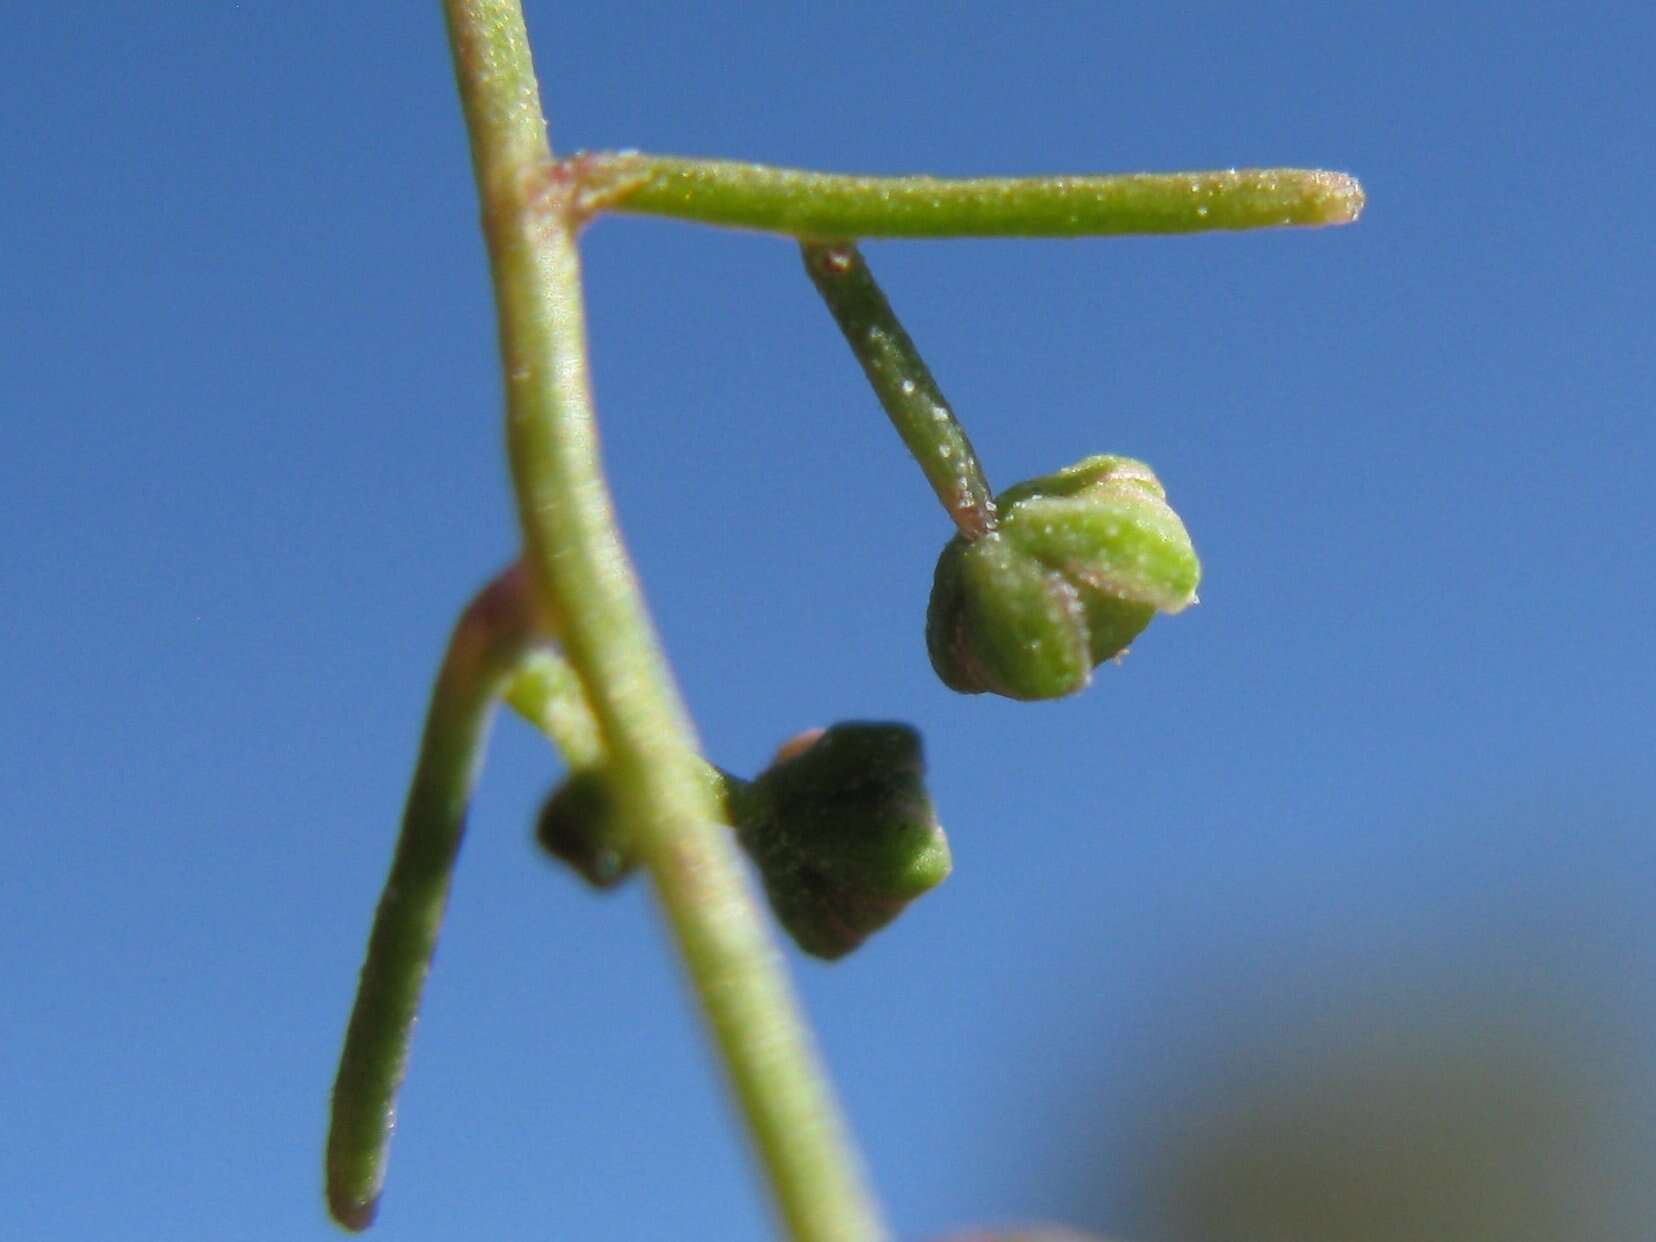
(1394, 772)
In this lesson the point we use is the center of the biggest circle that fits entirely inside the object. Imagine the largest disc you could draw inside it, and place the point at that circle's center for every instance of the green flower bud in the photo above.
(1076, 565)
(843, 833)
(840, 827)
(578, 825)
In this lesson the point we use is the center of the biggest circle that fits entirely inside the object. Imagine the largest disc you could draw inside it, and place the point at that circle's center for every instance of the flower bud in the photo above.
(844, 835)
(1077, 564)
(578, 825)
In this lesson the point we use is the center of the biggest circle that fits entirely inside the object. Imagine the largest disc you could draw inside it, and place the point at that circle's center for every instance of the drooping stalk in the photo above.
(531, 211)
(903, 383)
(488, 642)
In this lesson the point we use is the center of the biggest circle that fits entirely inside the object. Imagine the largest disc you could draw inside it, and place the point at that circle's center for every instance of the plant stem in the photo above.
(546, 692)
(483, 653)
(834, 206)
(904, 384)
(530, 214)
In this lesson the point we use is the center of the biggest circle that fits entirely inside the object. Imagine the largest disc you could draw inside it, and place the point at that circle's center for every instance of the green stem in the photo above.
(489, 640)
(546, 692)
(832, 206)
(904, 384)
(585, 581)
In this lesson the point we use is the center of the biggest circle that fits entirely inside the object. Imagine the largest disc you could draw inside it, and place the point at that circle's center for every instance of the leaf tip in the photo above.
(350, 1212)
(1341, 196)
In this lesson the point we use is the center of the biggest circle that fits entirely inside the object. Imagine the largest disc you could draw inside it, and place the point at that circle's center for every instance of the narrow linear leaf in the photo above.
(832, 206)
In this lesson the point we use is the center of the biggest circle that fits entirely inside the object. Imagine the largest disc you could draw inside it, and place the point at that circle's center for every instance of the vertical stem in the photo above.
(903, 383)
(585, 581)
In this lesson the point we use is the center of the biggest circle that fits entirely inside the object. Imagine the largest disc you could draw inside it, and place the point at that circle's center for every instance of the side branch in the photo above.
(491, 638)
(832, 206)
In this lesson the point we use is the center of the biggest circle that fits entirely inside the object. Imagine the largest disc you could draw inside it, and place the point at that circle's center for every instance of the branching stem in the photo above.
(615, 702)
(588, 590)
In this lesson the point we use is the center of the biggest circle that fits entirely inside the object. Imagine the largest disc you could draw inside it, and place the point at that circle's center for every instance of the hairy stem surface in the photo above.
(531, 211)
(903, 383)
(833, 206)
(489, 640)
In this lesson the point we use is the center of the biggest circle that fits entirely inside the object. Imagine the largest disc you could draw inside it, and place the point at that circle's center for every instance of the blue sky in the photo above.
(1393, 775)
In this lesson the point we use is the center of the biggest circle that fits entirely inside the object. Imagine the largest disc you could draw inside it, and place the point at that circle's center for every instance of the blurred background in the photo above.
(1327, 915)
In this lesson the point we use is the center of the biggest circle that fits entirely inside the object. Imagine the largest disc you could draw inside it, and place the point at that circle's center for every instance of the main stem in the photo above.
(531, 212)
